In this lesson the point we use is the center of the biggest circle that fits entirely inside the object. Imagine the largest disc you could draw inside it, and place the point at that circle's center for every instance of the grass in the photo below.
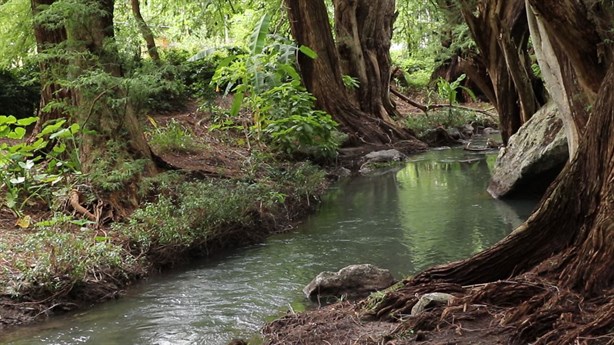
(192, 212)
(52, 259)
(182, 214)
(174, 137)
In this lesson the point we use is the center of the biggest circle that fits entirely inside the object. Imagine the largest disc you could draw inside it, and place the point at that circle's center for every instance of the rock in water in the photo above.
(352, 281)
(377, 157)
(533, 157)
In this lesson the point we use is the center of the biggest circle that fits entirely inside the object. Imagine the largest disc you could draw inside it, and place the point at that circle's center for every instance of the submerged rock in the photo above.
(352, 281)
(533, 157)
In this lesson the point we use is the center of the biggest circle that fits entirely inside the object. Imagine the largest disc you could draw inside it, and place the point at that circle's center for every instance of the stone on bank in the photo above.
(353, 281)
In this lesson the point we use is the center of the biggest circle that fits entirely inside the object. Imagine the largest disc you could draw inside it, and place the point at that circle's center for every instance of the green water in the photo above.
(434, 210)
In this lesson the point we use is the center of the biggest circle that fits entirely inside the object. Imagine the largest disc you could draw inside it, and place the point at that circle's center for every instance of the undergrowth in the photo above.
(201, 213)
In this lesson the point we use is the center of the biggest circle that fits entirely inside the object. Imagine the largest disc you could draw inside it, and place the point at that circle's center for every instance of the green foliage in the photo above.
(16, 32)
(19, 91)
(350, 82)
(189, 212)
(173, 137)
(449, 118)
(416, 72)
(30, 170)
(63, 259)
(198, 70)
(449, 90)
(283, 111)
(293, 126)
(113, 172)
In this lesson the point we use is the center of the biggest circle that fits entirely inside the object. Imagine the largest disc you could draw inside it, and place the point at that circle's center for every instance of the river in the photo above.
(433, 210)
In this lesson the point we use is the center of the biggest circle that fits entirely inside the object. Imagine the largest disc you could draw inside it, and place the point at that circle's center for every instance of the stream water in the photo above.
(433, 210)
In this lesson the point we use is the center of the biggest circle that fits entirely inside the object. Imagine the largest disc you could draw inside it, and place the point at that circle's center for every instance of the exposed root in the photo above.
(76, 205)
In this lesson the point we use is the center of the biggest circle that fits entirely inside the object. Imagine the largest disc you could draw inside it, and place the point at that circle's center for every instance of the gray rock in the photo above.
(391, 155)
(467, 130)
(351, 281)
(384, 156)
(430, 300)
(533, 156)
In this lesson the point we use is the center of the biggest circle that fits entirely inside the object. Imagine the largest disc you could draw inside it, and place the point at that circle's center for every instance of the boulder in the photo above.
(391, 155)
(533, 157)
(352, 281)
(441, 137)
(370, 160)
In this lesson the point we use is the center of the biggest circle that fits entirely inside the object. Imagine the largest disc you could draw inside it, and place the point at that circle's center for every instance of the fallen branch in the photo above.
(454, 106)
(422, 107)
(426, 108)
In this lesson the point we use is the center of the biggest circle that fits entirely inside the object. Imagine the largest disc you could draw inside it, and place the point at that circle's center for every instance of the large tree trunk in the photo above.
(363, 33)
(54, 98)
(322, 76)
(501, 33)
(569, 239)
(112, 134)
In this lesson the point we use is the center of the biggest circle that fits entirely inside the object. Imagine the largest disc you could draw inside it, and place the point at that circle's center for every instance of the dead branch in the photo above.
(425, 108)
(422, 107)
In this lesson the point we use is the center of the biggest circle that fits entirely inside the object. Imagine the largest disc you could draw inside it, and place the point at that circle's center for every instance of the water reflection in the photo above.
(434, 210)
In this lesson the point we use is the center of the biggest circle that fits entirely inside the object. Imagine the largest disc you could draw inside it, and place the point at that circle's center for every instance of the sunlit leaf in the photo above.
(308, 52)
(24, 222)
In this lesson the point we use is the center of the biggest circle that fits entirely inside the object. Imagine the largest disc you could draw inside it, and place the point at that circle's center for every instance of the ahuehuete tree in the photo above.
(501, 33)
(88, 66)
(557, 268)
(363, 30)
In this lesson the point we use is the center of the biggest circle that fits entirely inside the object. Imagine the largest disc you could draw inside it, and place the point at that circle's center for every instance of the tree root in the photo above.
(74, 202)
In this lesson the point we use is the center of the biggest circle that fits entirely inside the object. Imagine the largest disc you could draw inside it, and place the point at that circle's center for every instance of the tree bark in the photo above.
(111, 132)
(363, 33)
(51, 92)
(148, 36)
(569, 239)
(323, 76)
(500, 30)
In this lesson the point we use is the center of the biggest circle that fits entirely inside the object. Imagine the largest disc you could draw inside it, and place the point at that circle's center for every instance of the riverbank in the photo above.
(218, 197)
(214, 194)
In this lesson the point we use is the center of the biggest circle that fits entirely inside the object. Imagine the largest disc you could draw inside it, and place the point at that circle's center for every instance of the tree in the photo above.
(568, 242)
(145, 30)
(364, 30)
(53, 95)
(113, 139)
(501, 32)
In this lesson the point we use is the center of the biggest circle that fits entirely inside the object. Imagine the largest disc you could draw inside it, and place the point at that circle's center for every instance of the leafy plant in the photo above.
(350, 82)
(266, 81)
(173, 137)
(31, 170)
(449, 90)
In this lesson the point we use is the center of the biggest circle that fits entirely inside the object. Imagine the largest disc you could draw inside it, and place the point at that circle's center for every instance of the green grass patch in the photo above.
(188, 213)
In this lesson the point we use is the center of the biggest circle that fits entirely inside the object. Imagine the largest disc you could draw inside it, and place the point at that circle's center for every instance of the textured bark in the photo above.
(47, 38)
(96, 108)
(571, 215)
(363, 33)
(146, 32)
(569, 239)
(500, 31)
(322, 77)
(109, 124)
